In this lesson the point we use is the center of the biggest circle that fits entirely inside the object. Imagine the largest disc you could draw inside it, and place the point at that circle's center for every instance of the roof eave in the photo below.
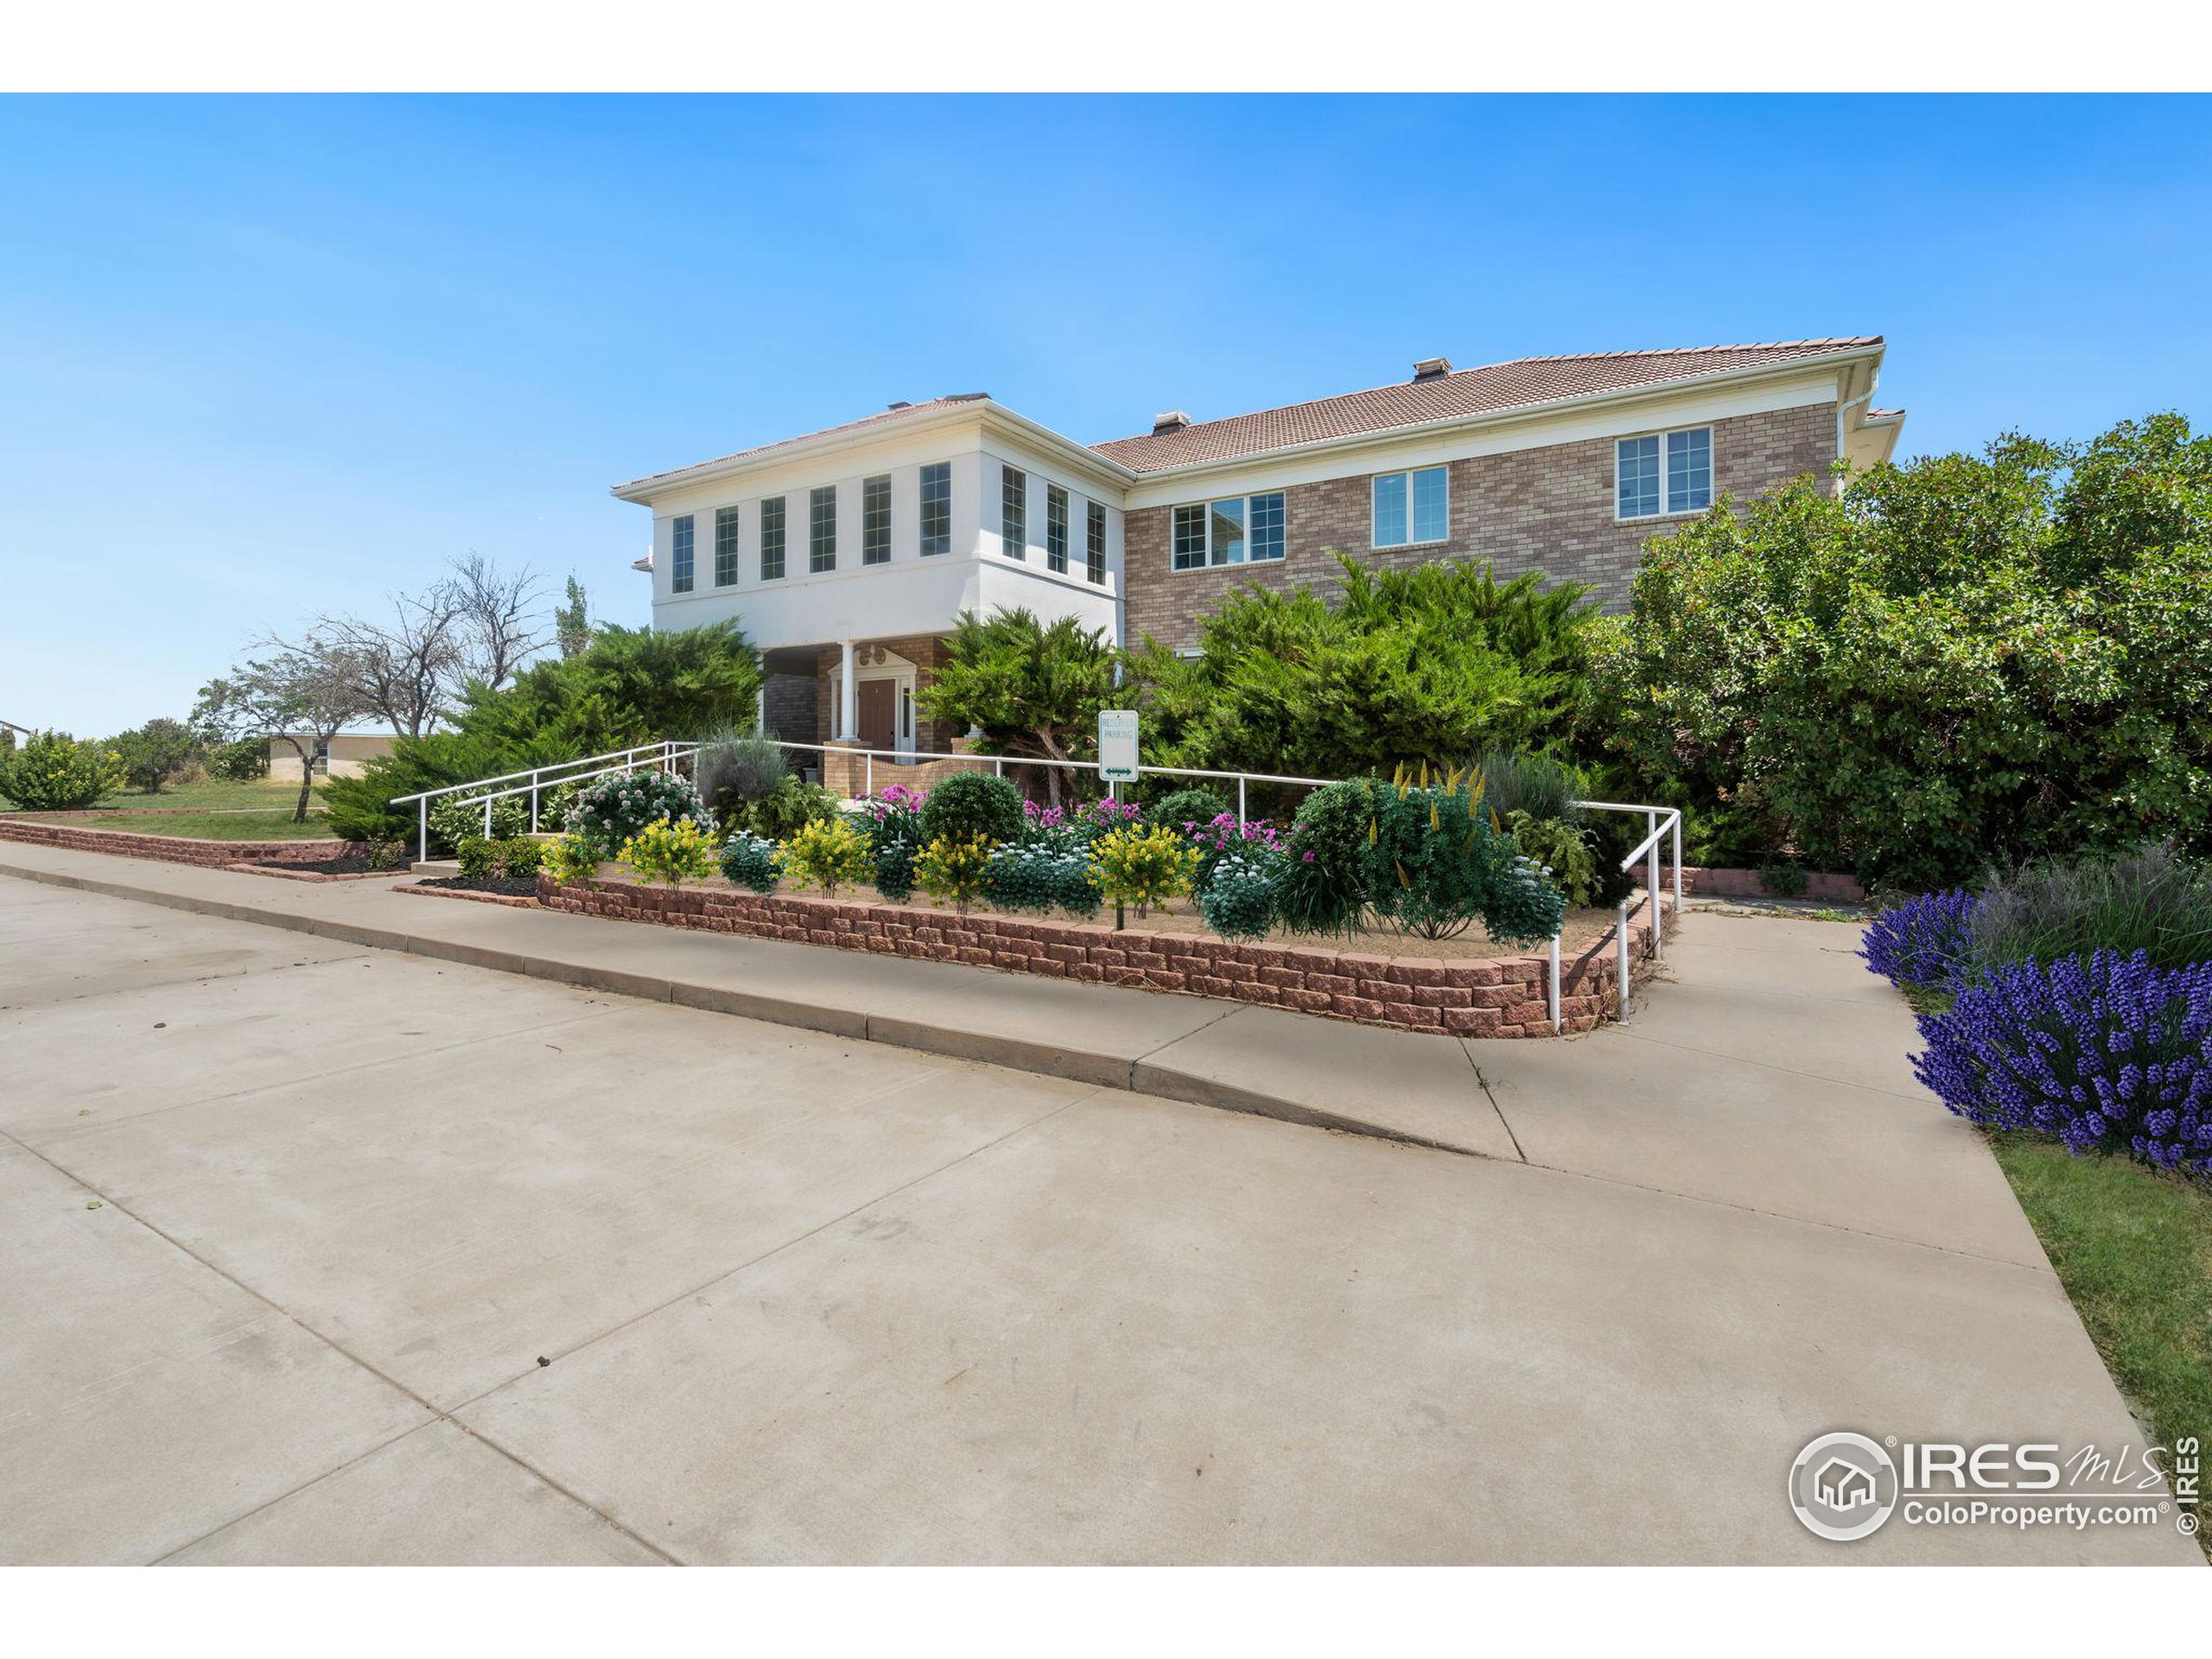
(1522, 411)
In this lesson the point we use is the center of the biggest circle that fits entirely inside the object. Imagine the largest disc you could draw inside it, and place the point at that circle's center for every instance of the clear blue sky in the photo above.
(264, 357)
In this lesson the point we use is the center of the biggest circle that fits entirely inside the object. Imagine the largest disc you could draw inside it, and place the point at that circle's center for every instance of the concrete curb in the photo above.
(1149, 1073)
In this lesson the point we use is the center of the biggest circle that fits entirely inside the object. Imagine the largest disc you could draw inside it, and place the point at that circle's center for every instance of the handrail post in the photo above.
(425, 845)
(1240, 798)
(1652, 885)
(487, 817)
(533, 801)
(1556, 985)
(1620, 938)
(867, 774)
(1678, 861)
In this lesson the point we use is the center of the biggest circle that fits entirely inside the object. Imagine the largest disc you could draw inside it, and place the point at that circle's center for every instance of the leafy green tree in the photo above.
(1962, 660)
(157, 752)
(572, 621)
(300, 697)
(1428, 664)
(1031, 689)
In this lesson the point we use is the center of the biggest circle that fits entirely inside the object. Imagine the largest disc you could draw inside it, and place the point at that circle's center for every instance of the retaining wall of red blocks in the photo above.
(172, 850)
(1495, 996)
(1750, 884)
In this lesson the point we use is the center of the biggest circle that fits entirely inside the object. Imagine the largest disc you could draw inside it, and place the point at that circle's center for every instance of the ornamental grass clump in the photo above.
(670, 851)
(1925, 940)
(954, 868)
(751, 860)
(1141, 867)
(2150, 898)
(827, 854)
(2105, 1053)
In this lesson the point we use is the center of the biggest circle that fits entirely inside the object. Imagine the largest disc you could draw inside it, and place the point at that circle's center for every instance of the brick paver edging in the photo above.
(514, 900)
(172, 850)
(1495, 996)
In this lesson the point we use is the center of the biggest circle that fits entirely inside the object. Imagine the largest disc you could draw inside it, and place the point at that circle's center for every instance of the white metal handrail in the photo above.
(1664, 820)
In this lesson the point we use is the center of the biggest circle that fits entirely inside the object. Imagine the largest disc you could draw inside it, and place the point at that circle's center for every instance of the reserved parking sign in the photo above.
(1117, 745)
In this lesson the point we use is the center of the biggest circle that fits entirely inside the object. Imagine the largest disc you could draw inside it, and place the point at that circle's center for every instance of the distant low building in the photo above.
(344, 756)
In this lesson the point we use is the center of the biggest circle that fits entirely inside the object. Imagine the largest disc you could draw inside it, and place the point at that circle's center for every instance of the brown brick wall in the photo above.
(171, 849)
(1492, 997)
(1550, 510)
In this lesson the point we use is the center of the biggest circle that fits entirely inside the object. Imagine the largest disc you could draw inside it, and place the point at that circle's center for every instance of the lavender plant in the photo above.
(1924, 941)
(2104, 1052)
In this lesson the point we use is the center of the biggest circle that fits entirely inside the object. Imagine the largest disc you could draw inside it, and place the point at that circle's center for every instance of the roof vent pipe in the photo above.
(1169, 420)
(1431, 368)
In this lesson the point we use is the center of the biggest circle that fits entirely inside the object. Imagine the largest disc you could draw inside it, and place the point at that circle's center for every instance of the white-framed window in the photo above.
(772, 538)
(1013, 512)
(679, 571)
(1412, 508)
(1662, 473)
(936, 508)
(725, 547)
(822, 530)
(1056, 530)
(875, 520)
(1242, 529)
(1094, 543)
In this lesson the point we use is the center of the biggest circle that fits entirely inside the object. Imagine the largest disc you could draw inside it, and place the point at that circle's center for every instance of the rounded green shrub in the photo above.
(53, 772)
(751, 860)
(1239, 902)
(1186, 809)
(972, 804)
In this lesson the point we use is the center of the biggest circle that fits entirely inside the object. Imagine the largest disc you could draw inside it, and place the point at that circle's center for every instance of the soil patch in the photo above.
(504, 886)
(348, 864)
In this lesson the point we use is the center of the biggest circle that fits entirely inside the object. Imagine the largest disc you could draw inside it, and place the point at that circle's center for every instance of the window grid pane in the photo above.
(1013, 512)
(679, 578)
(1430, 518)
(1095, 545)
(875, 520)
(1266, 541)
(725, 546)
(1689, 470)
(772, 538)
(1228, 531)
(1638, 464)
(1190, 538)
(1390, 509)
(822, 530)
(1055, 528)
(936, 508)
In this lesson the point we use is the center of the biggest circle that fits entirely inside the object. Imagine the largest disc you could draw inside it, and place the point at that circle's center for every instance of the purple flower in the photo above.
(2099, 1052)
(1922, 941)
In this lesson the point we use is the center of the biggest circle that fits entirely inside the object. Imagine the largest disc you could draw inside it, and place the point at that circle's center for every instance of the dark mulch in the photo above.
(352, 864)
(509, 887)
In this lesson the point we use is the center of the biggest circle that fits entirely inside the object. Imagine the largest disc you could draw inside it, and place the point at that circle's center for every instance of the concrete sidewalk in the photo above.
(322, 1252)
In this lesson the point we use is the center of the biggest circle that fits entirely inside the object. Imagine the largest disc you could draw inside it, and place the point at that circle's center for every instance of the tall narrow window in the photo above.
(1095, 545)
(936, 508)
(1265, 541)
(772, 538)
(1055, 528)
(822, 530)
(679, 566)
(1226, 526)
(1190, 538)
(1013, 512)
(1689, 470)
(1410, 508)
(725, 546)
(875, 520)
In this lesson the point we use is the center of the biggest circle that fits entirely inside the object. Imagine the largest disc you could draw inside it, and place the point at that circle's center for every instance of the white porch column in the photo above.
(847, 694)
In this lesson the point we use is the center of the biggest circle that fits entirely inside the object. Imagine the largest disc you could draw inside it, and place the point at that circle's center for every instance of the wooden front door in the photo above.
(879, 711)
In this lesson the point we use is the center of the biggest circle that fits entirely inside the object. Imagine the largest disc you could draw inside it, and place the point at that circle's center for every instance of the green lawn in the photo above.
(229, 825)
(261, 793)
(2134, 1250)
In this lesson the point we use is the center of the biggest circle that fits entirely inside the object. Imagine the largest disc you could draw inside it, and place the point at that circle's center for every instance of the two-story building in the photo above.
(848, 555)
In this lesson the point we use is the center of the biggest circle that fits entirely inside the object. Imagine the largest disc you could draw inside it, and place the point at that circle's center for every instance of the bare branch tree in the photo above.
(409, 669)
(501, 620)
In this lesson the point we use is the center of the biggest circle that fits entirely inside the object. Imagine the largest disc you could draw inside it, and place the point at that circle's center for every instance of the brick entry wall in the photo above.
(1497, 996)
(927, 654)
(1550, 510)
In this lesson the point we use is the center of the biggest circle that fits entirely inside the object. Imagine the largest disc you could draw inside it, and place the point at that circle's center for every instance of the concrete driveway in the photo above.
(323, 1254)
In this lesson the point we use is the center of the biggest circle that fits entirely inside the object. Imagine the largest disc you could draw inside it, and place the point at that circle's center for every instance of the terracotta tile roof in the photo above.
(1499, 386)
(885, 417)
